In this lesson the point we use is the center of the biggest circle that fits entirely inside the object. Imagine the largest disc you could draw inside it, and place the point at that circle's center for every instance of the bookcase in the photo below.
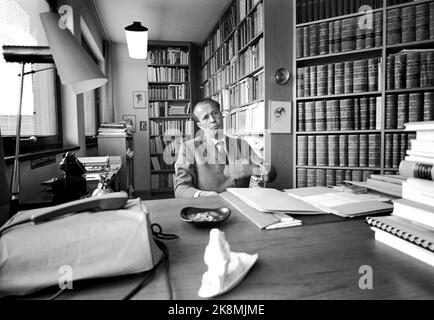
(239, 60)
(172, 91)
(360, 76)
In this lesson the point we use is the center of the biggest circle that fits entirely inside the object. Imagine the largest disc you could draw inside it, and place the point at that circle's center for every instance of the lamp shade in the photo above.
(74, 65)
(137, 40)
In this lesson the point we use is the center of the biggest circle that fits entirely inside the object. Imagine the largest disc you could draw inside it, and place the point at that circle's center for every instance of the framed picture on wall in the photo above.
(139, 99)
(280, 116)
(130, 119)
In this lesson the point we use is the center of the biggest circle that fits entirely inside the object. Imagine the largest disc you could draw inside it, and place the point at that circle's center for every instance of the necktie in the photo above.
(222, 156)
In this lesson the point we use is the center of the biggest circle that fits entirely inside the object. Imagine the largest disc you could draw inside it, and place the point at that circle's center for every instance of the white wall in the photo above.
(131, 75)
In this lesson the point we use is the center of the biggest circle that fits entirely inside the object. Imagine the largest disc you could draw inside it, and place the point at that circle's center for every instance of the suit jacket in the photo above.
(201, 167)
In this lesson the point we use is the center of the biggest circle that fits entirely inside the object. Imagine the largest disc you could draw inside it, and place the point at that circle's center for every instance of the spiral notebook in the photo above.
(405, 235)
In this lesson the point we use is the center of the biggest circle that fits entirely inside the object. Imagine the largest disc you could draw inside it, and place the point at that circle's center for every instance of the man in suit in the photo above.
(213, 162)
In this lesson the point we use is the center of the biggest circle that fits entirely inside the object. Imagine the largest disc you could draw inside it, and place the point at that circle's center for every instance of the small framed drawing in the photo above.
(139, 99)
(130, 119)
(280, 116)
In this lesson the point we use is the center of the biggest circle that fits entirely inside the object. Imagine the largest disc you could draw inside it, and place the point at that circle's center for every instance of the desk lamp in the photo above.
(75, 68)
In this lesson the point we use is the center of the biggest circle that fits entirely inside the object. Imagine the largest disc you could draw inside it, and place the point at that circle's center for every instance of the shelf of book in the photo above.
(237, 66)
(176, 67)
(397, 78)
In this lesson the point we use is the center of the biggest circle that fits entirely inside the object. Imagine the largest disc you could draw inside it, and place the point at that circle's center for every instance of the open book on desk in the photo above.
(343, 204)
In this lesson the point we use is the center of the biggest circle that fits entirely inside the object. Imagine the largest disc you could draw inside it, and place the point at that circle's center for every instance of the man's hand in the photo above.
(238, 171)
(207, 194)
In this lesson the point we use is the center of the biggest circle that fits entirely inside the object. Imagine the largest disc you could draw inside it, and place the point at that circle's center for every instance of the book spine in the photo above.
(339, 177)
(404, 145)
(378, 29)
(300, 82)
(363, 150)
(331, 36)
(299, 46)
(307, 92)
(388, 152)
(348, 175)
(394, 26)
(301, 120)
(320, 178)
(314, 34)
(360, 76)
(321, 150)
(360, 38)
(370, 37)
(413, 70)
(333, 152)
(337, 40)
(343, 150)
(390, 72)
(327, 9)
(313, 82)
(428, 106)
(321, 6)
(324, 38)
(311, 152)
(339, 78)
(372, 113)
(304, 16)
(353, 150)
(408, 24)
(346, 114)
(415, 107)
(330, 79)
(330, 178)
(320, 115)
(400, 69)
(333, 118)
(412, 169)
(422, 22)
(391, 111)
(427, 69)
(348, 77)
(431, 20)
(396, 154)
(403, 107)
(357, 175)
(322, 77)
(364, 114)
(302, 150)
(357, 114)
(301, 178)
(311, 178)
(306, 41)
(374, 150)
(310, 116)
(373, 74)
(348, 34)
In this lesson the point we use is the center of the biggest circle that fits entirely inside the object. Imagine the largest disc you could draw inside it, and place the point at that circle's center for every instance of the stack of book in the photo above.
(115, 129)
(410, 229)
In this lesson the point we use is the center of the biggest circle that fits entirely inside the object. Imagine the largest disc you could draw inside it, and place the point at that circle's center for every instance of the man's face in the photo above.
(210, 119)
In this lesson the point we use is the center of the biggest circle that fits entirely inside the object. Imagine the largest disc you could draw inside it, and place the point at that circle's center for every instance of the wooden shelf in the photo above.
(169, 100)
(411, 3)
(165, 82)
(315, 133)
(397, 131)
(340, 54)
(410, 90)
(339, 168)
(169, 65)
(170, 118)
(341, 96)
(428, 44)
(351, 15)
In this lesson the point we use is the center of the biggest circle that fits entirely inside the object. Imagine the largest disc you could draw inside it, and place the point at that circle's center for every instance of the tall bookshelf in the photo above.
(172, 92)
(239, 59)
(356, 87)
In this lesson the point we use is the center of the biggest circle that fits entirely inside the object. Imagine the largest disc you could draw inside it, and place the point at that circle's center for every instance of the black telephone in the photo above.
(73, 185)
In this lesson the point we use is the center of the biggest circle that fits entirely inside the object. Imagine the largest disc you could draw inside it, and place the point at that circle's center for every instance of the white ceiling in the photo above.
(169, 20)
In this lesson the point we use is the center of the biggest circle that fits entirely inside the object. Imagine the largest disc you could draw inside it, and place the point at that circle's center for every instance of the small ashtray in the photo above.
(204, 217)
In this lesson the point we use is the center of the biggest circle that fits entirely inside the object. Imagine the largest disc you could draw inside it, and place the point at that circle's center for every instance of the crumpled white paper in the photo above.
(226, 269)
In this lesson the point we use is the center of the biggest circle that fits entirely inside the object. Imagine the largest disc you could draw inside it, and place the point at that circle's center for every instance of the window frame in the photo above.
(45, 142)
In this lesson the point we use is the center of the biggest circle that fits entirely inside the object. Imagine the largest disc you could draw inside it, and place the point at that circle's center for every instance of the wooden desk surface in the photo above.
(314, 261)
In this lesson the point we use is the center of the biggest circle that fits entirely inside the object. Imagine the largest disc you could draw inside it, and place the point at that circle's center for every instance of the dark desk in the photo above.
(314, 261)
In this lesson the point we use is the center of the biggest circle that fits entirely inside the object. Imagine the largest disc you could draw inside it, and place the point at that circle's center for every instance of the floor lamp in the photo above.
(75, 68)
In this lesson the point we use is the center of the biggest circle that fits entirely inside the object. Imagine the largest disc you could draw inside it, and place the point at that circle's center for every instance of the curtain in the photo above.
(106, 105)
